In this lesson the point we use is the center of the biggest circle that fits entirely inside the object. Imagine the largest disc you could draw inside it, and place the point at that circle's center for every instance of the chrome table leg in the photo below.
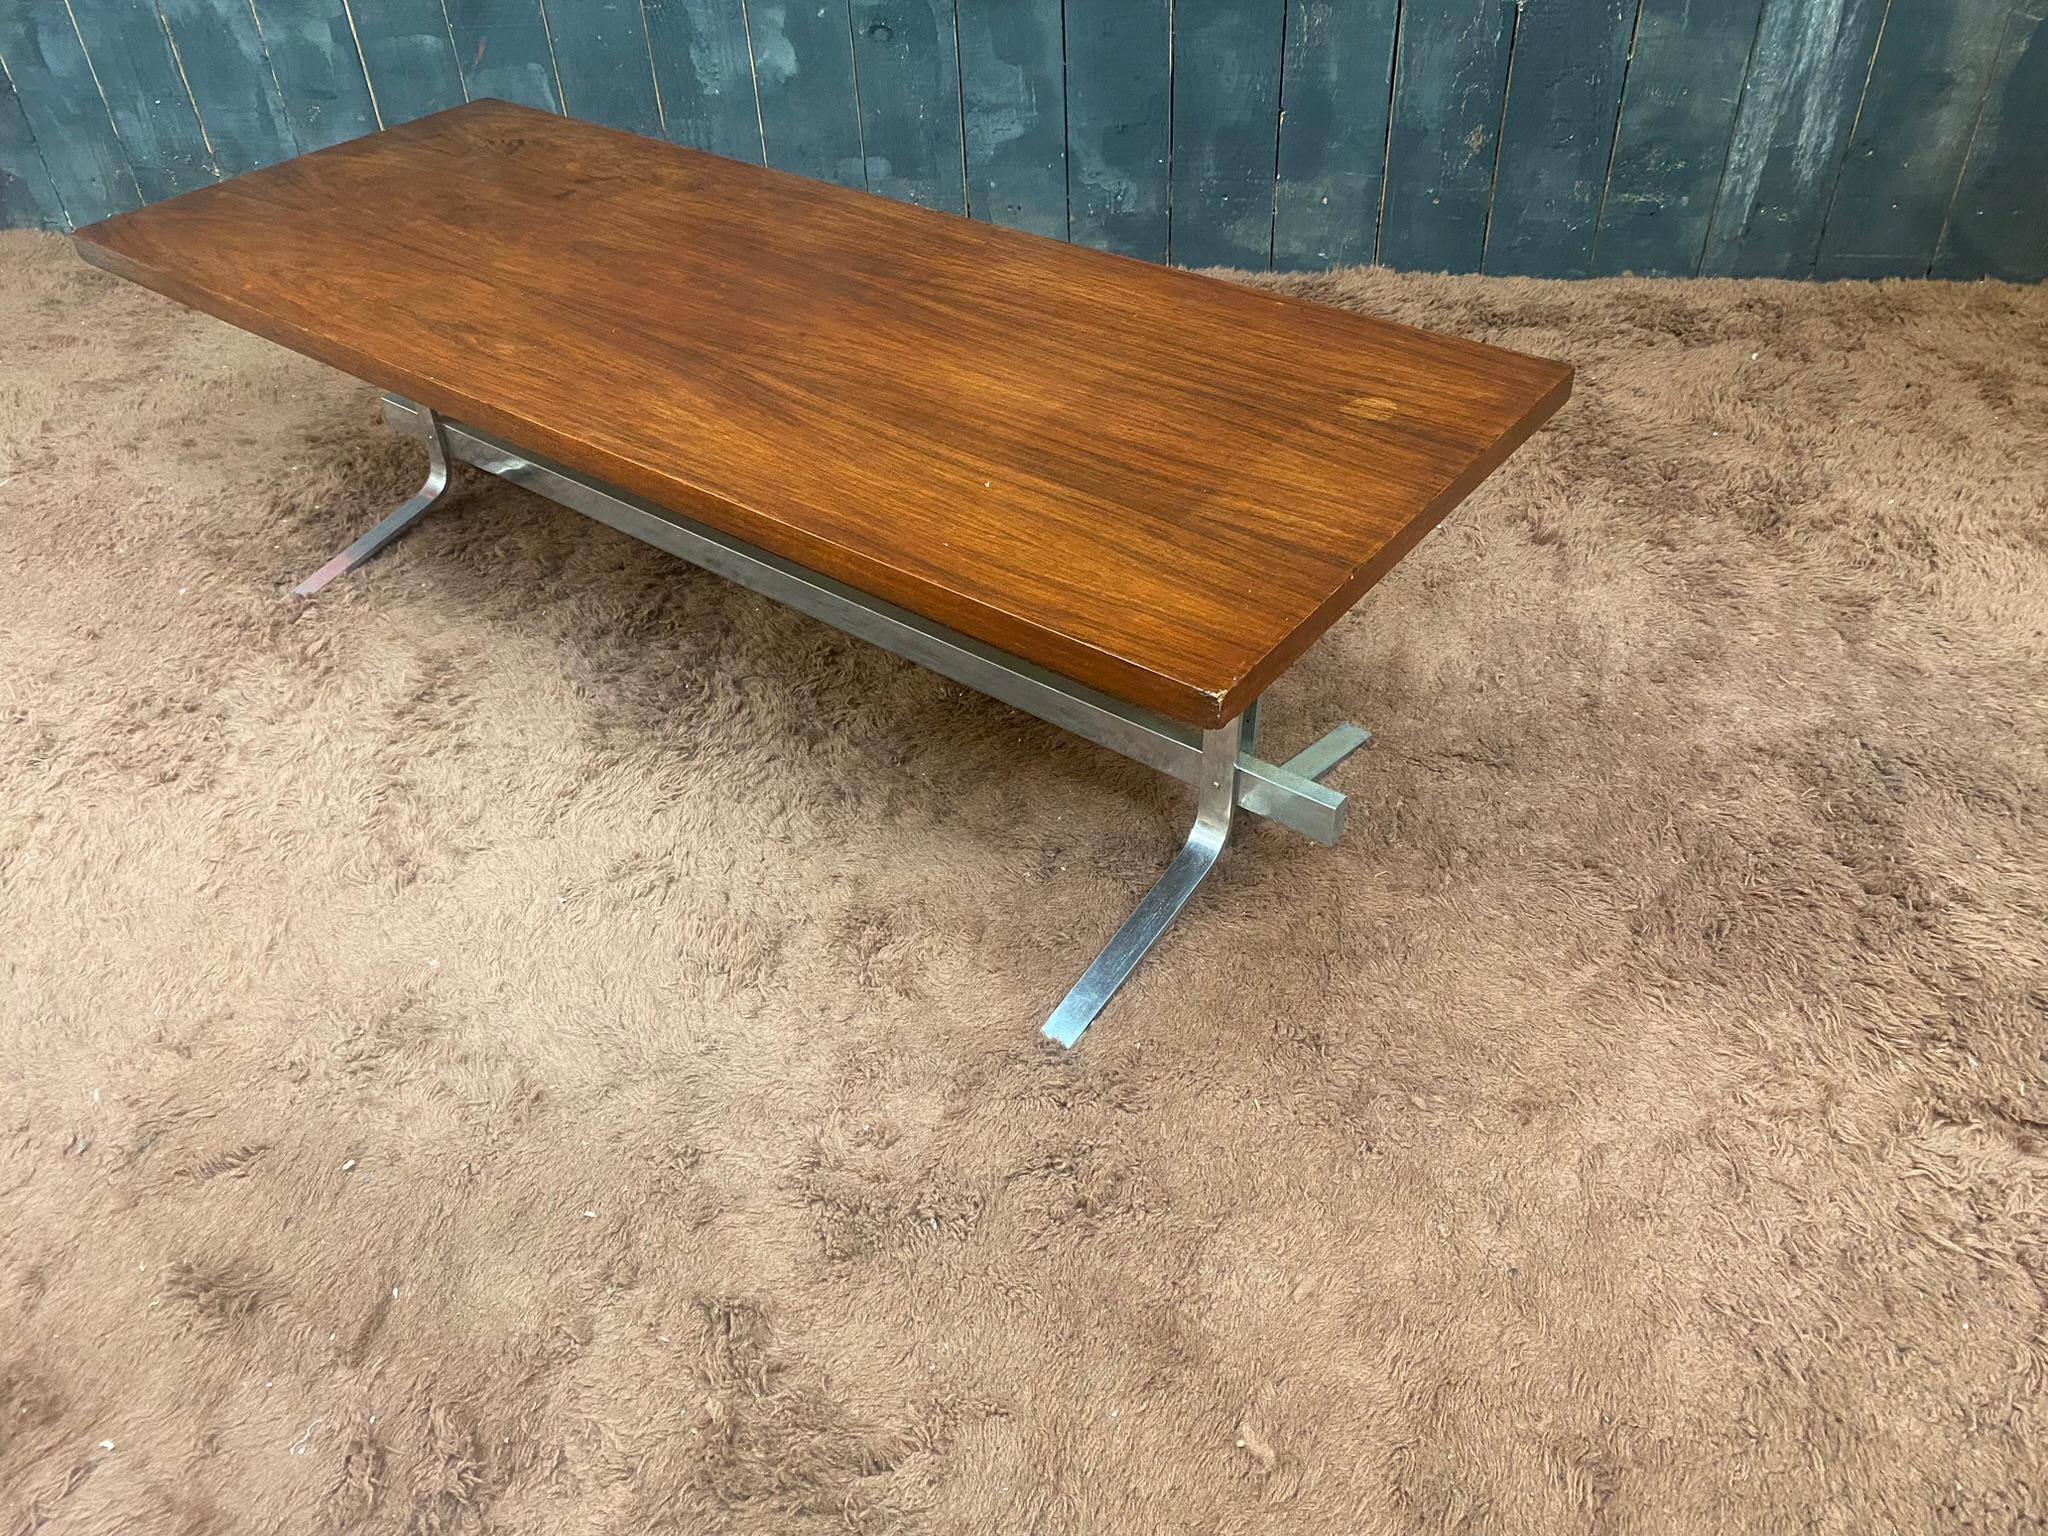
(1224, 764)
(1285, 793)
(400, 518)
(1142, 929)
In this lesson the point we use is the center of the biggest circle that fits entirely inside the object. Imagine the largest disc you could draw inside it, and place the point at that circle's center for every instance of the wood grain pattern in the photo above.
(1158, 484)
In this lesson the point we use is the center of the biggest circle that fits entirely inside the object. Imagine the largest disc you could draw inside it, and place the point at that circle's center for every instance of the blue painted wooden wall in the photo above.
(1797, 138)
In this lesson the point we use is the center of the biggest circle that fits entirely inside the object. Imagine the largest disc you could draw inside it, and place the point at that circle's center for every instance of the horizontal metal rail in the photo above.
(1286, 793)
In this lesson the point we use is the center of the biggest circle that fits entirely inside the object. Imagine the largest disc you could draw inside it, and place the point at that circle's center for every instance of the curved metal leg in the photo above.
(400, 518)
(1142, 929)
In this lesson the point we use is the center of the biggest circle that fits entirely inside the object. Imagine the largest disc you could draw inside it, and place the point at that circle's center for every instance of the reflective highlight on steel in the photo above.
(1222, 763)
(1161, 904)
(400, 518)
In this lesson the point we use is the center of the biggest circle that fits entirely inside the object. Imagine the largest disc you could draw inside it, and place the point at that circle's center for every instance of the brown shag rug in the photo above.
(541, 1040)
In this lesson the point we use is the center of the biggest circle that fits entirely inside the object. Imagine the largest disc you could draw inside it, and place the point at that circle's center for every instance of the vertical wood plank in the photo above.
(810, 103)
(604, 64)
(1013, 96)
(1751, 136)
(906, 58)
(1333, 131)
(131, 57)
(1450, 75)
(1226, 128)
(1998, 222)
(319, 71)
(1677, 113)
(502, 50)
(1928, 80)
(222, 57)
(1119, 63)
(1812, 58)
(706, 75)
(409, 57)
(53, 82)
(1557, 136)
(28, 198)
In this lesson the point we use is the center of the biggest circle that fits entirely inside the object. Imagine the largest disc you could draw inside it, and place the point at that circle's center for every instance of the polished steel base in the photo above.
(1216, 799)
(400, 518)
(1222, 763)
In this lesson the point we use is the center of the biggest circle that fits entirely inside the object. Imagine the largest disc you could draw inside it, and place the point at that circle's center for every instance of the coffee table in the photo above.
(1120, 497)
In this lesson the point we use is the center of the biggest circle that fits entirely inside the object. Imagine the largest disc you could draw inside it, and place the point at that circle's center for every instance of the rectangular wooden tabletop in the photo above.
(1158, 484)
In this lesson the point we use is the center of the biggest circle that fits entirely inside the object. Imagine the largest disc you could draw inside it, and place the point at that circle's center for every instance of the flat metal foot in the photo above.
(398, 520)
(1143, 928)
(1319, 757)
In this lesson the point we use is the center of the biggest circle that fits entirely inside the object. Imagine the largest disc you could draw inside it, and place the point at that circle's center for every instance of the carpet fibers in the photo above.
(538, 1039)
